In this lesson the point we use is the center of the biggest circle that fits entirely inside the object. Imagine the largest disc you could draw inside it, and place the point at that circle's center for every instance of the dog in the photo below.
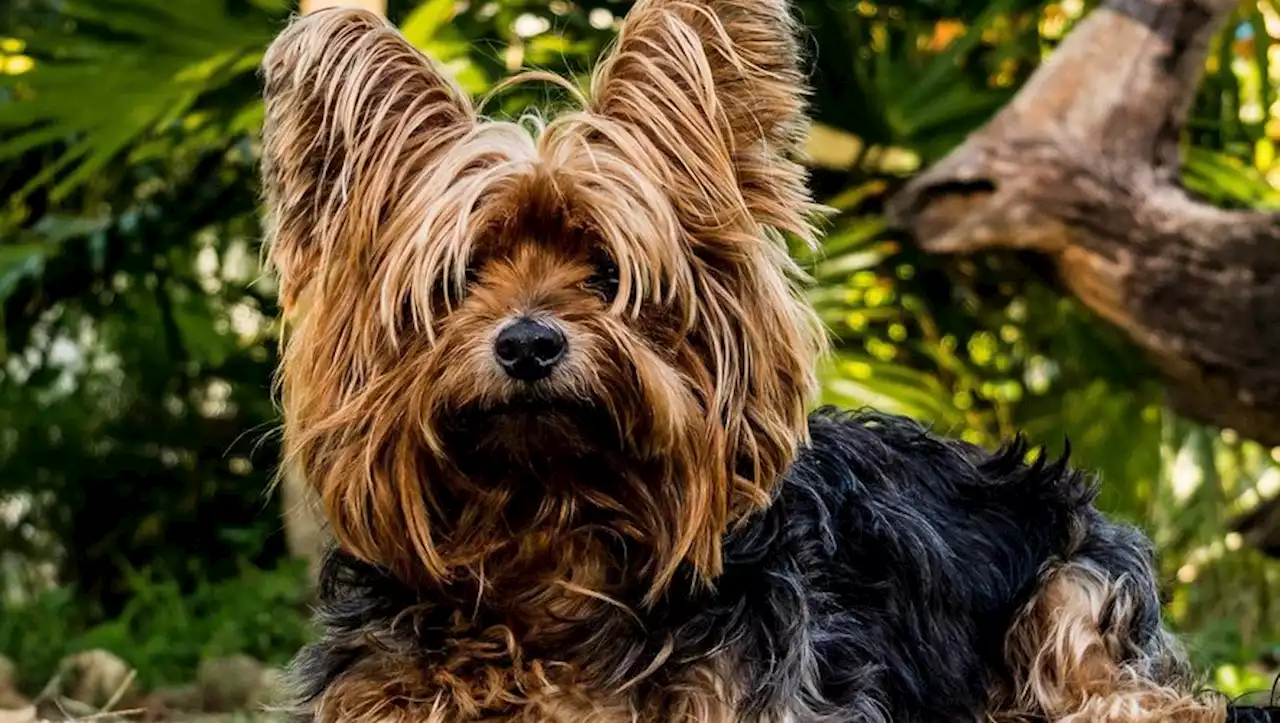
(552, 383)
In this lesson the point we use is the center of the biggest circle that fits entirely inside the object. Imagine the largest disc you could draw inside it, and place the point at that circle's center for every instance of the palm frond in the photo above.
(129, 69)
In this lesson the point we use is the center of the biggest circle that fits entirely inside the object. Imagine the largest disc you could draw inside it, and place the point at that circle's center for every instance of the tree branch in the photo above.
(1082, 166)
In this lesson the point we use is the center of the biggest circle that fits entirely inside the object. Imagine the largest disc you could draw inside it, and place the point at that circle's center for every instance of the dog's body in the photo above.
(552, 385)
(879, 586)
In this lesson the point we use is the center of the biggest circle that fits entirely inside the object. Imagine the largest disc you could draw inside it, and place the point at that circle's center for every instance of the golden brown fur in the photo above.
(1073, 662)
(391, 690)
(408, 231)
(384, 187)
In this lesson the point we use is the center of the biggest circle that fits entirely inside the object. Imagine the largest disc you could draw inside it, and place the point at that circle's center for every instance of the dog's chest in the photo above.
(405, 690)
(695, 704)
(700, 693)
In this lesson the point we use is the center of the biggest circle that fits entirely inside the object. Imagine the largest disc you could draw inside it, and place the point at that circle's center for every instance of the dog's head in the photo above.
(517, 337)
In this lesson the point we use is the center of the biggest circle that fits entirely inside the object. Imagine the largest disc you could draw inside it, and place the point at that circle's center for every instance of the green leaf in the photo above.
(1261, 46)
(1222, 178)
(426, 21)
(19, 262)
(851, 380)
(858, 234)
(58, 228)
(147, 64)
(942, 71)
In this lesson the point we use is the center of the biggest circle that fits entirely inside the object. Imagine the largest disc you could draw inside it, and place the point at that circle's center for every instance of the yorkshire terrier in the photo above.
(552, 384)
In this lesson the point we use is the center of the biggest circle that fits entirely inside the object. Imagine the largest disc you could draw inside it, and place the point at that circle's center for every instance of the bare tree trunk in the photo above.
(304, 529)
(377, 6)
(1083, 166)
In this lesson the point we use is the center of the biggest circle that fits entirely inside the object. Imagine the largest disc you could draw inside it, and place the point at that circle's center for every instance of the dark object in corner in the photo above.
(1253, 714)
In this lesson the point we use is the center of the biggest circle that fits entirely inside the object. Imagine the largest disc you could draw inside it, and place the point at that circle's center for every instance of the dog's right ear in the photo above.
(354, 113)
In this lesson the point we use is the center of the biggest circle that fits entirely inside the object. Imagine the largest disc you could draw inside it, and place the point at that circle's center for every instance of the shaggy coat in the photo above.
(880, 585)
(552, 381)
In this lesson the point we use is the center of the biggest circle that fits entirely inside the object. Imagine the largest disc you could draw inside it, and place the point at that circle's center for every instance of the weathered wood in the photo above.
(377, 6)
(1082, 166)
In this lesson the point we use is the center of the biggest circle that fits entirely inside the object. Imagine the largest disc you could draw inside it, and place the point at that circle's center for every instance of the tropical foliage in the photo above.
(137, 336)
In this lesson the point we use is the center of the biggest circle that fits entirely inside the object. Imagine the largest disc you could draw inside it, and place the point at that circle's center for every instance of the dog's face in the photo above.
(511, 341)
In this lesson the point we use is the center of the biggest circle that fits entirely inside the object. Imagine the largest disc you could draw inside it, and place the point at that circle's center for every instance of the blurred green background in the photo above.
(138, 336)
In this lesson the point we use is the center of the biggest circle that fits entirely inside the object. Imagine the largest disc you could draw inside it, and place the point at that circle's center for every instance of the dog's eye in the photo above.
(605, 277)
(447, 289)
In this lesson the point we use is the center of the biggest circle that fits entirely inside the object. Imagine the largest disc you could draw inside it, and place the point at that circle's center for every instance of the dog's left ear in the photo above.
(714, 89)
(356, 118)
(354, 115)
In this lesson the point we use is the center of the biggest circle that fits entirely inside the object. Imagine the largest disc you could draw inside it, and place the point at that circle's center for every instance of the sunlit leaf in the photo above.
(19, 261)
(422, 25)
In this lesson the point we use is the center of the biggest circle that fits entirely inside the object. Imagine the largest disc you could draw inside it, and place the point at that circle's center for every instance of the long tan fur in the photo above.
(385, 190)
(1071, 663)
(411, 231)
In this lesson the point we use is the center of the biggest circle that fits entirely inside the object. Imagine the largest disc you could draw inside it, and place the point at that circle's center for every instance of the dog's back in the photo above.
(897, 576)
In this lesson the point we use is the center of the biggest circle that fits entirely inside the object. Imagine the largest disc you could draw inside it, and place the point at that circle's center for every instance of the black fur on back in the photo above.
(879, 586)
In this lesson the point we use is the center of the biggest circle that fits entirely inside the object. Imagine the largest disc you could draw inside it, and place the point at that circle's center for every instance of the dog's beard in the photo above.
(542, 489)
(547, 463)
(532, 438)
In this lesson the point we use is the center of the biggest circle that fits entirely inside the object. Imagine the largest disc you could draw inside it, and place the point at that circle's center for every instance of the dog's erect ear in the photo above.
(354, 113)
(714, 89)
(705, 99)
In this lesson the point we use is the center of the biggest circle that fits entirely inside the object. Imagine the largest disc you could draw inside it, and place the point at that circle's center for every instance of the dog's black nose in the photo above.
(528, 350)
